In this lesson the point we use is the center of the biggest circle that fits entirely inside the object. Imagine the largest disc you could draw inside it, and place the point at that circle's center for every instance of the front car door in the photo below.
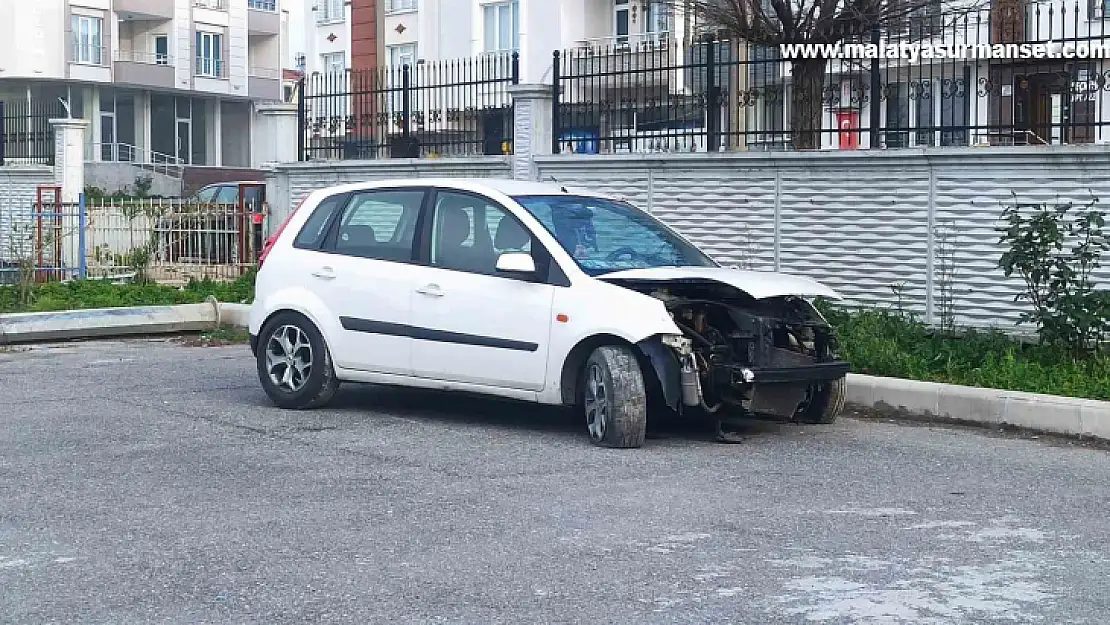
(470, 323)
(366, 277)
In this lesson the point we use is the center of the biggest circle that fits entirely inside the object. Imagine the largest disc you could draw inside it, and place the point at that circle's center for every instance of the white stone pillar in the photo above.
(274, 137)
(69, 156)
(532, 128)
(69, 174)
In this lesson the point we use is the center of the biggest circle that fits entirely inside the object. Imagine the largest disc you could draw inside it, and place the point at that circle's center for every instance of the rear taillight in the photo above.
(277, 235)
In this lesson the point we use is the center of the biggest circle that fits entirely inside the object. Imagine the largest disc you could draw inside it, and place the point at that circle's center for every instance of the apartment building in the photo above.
(169, 81)
(341, 34)
(370, 33)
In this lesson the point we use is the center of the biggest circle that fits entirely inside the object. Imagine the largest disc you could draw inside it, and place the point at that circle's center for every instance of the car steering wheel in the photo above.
(623, 251)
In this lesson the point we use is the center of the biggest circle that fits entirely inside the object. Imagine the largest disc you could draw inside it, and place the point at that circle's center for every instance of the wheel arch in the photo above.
(573, 364)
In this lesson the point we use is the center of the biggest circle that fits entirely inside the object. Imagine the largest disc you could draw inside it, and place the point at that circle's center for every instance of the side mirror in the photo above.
(516, 263)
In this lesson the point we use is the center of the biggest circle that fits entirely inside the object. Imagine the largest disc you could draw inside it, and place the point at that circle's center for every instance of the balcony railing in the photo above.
(633, 41)
(206, 67)
(211, 4)
(262, 5)
(148, 58)
(85, 54)
(264, 72)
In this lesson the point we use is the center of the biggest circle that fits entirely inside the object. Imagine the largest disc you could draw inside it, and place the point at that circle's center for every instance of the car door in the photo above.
(366, 278)
(470, 323)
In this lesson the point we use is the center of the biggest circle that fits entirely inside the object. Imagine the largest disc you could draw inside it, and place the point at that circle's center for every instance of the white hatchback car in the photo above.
(533, 292)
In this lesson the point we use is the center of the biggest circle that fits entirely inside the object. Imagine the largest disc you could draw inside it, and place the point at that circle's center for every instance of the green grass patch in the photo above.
(886, 343)
(82, 294)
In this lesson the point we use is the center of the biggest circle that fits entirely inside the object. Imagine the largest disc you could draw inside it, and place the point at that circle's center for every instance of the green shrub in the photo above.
(81, 294)
(888, 343)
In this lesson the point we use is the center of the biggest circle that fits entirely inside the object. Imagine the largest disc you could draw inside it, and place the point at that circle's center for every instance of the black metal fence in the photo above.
(27, 134)
(1005, 75)
(445, 108)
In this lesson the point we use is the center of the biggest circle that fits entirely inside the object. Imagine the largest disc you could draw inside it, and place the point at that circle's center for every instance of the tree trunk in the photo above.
(806, 102)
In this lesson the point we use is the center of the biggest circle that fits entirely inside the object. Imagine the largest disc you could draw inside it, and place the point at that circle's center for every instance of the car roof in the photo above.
(501, 185)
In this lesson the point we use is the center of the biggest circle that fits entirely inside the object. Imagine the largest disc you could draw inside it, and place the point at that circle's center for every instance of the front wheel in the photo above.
(823, 403)
(294, 364)
(614, 398)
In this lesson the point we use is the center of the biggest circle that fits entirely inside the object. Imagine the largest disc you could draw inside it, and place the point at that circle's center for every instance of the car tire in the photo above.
(825, 402)
(613, 398)
(297, 387)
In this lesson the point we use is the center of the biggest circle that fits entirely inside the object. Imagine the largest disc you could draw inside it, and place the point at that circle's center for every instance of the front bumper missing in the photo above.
(741, 375)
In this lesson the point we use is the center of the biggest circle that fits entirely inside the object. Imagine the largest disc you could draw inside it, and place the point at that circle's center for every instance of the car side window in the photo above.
(379, 224)
(469, 234)
(228, 194)
(315, 228)
(207, 194)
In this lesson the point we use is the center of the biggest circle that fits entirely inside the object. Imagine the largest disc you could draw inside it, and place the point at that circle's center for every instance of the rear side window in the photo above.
(207, 194)
(228, 195)
(379, 224)
(315, 228)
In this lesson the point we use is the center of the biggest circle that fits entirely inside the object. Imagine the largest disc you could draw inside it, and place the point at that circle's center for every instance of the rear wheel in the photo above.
(614, 398)
(294, 364)
(823, 403)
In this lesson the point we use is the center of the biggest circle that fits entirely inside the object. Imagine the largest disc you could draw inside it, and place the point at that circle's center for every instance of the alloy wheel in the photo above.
(597, 402)
(289, 358)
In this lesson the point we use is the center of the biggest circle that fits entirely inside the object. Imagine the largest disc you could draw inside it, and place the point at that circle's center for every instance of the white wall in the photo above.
(316, 38)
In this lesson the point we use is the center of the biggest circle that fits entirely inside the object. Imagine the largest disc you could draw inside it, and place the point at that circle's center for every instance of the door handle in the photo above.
(324, 273)
(431, 290)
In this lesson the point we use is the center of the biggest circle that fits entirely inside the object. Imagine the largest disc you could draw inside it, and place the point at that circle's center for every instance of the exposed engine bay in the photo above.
(758, 356)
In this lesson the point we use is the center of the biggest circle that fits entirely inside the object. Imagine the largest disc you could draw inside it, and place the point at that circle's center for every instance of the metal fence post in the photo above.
(3, 132)
(713, 113)
(555, 113)
(301, 115)
(82, 221)
(406, 106)
(876, 89)
(516, 68)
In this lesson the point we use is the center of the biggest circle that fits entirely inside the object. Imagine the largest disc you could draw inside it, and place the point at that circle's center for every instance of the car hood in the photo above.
(758, 284)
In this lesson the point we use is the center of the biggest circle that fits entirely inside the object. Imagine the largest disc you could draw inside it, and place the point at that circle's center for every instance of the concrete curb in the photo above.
(112, 322)
(1086, 418)
(237, 315)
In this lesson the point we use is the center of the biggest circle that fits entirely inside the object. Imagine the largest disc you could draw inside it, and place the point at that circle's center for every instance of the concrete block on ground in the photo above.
(951, 402)
(106, 322)
(236, 315)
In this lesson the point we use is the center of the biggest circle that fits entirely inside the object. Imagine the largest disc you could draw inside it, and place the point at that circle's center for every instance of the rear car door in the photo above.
(365, 278)
(470, 323)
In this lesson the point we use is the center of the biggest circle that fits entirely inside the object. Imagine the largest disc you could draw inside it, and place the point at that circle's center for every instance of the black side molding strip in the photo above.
(427, 334)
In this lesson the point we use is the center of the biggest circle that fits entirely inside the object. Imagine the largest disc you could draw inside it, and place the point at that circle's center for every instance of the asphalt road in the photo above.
(146, 482)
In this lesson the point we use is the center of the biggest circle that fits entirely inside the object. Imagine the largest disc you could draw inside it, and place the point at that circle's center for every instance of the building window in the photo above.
(87, 41)
(209, 52)
(402, 55)
(396, 6)
(620, 22)
(328, 11)
(333, 63)
(262, 5)
(161, 49)
(502, 26)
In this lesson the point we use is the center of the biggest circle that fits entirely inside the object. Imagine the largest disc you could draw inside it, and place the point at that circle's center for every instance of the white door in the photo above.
(364, 275)
(471, 324)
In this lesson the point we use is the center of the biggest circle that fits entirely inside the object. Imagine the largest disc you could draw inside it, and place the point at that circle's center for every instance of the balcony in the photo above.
(262, 17)
(623, 61)
(144, 9)
(264, 83)
(218, 5)
(143, 69)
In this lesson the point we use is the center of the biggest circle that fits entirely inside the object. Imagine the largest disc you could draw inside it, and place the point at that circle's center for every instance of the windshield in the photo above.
(605, 235)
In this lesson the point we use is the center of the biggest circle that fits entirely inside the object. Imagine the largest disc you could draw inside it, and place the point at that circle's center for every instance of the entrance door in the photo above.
(108, 149)
(184, 140)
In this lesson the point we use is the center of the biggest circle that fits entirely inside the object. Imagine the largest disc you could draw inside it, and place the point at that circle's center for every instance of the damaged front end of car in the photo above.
(740, 356)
